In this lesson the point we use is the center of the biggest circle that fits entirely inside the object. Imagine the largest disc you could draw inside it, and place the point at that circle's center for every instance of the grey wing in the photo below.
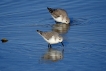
(48, 35)
(56, 14)
(59, 12)
(63, 12)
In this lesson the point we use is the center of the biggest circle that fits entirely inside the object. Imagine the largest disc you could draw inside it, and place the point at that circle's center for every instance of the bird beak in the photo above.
(62, 44)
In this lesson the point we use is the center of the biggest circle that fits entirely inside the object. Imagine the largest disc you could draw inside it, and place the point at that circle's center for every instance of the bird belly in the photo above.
(52, 40)
(58, 19)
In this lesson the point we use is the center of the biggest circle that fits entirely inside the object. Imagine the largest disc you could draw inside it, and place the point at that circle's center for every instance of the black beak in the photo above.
(62, 44)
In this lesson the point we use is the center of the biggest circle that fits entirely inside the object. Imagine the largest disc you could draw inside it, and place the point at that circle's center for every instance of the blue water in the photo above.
(85, 41)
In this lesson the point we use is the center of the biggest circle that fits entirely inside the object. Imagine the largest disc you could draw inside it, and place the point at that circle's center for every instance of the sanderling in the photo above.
(59, 15)
(51, 37)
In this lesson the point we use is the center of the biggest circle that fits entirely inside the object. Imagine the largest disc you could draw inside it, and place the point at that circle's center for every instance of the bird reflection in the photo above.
(53, 55)
(61, 28)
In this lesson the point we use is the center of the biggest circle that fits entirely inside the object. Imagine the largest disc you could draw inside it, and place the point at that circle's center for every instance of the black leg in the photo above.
(62, 44)
(49, 46)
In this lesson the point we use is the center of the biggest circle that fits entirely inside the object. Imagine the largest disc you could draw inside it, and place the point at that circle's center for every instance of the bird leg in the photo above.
(49, 46)
(62, 44)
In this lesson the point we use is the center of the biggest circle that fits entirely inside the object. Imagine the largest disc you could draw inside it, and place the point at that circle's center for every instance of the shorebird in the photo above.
(51, 37)
(59, 15)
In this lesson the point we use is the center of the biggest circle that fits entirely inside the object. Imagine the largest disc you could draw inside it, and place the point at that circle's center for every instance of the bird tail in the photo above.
(40, 32)
(50, 9)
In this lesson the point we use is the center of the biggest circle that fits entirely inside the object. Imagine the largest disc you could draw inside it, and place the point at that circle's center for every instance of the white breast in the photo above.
(52, 40)
(58, 19)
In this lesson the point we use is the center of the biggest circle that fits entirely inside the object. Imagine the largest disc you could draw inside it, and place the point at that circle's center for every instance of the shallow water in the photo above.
(85, 41)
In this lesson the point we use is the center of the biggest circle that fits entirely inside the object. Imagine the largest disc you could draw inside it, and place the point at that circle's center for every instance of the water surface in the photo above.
(85, 40)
